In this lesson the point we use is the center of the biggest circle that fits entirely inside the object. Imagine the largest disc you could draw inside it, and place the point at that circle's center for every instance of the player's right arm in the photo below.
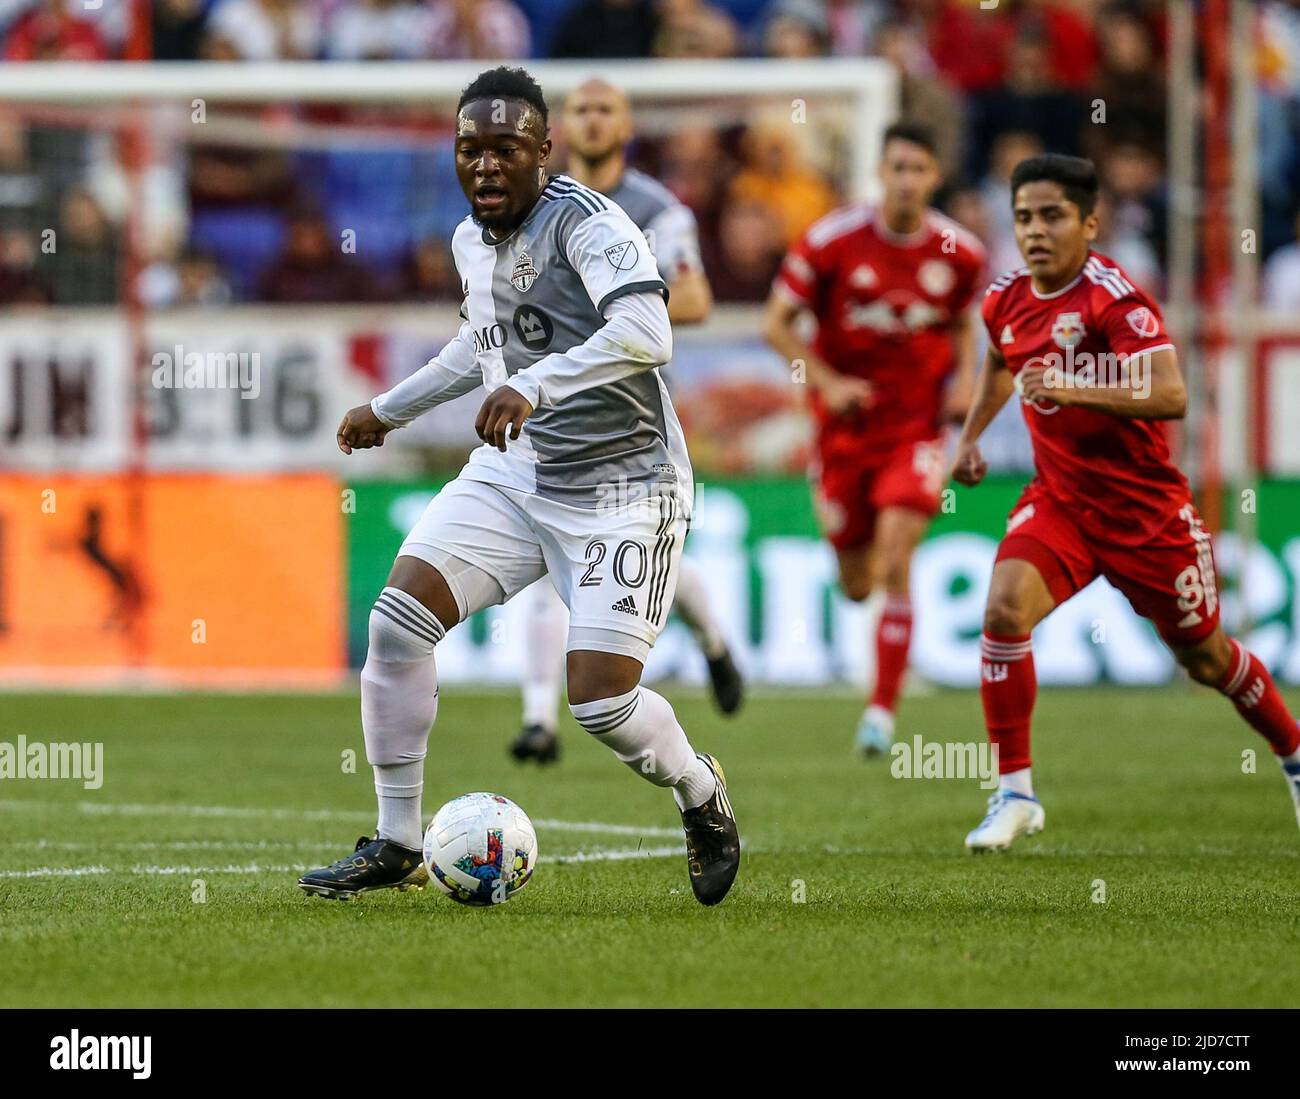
(450, 373)
(992, 389)
(840, 393)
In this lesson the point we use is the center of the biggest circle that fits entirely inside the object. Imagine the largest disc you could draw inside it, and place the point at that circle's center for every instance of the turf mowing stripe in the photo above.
(145, 810)
(616, 855)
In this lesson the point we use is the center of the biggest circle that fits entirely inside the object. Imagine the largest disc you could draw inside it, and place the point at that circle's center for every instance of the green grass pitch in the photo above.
(1144, 791)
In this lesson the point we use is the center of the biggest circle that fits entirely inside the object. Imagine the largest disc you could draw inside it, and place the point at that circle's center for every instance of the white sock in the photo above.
(399, 786)
(545, 633)
(1017, 782)
(642, 730)
(692, 603)
(399, 703)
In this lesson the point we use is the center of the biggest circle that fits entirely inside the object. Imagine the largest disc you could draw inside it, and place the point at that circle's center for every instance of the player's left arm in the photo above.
(618, 271)
(1139, 378)
(1150, 387)
(635, 337)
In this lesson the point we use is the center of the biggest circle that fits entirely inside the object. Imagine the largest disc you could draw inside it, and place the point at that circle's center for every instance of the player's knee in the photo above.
(1206, 664)
(401, 628)
(856, 584)
(892, 573)
(1005, 615)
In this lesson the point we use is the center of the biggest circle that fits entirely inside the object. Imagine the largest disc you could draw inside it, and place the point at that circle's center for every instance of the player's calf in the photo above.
(642, 730)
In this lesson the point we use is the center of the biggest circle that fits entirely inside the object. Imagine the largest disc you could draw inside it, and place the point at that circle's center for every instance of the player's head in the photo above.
(1053, 208)
(597, 121)
(909, 168)
(501, 146)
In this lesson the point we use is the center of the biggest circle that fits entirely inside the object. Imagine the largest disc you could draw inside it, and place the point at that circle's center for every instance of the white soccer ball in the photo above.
(480, 849)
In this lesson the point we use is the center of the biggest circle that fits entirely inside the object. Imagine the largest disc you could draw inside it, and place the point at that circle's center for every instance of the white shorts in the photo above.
(614, 568)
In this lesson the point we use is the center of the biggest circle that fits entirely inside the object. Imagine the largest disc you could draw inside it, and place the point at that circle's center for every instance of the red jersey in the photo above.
(1115, 475)
(884, 306)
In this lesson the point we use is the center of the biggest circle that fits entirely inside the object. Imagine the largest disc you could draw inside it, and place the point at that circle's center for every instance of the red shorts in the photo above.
(1171, 584)
(849, 492)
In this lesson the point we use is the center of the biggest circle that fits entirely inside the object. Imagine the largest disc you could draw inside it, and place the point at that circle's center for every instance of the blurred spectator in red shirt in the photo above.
(969, 43)
(49, 32)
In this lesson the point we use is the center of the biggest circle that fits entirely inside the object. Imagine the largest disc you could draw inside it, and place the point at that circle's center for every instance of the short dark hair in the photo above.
(913, 132)
(1076, 175)
(504, 82)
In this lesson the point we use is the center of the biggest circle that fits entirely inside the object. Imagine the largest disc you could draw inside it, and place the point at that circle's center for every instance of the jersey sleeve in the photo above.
(970, 272)
(989, 314)
(674, 238)
(611, 256)
(1133, 324)
(805, 273)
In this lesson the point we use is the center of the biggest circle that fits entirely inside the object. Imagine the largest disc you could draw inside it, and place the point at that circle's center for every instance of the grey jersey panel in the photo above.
(642, 197)
(605, 436)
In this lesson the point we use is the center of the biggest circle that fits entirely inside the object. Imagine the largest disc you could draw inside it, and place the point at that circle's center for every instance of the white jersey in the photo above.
(535, 313)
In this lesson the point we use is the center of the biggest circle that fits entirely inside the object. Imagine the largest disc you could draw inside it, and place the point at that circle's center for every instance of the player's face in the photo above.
(597, 122)
(501, 155)
(910, 175)
(1051, 233)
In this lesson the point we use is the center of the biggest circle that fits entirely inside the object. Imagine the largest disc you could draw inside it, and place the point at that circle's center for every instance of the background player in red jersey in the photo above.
(891, 362)
(1097, 373)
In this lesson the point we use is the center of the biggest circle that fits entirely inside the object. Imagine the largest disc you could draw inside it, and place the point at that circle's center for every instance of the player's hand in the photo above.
(1034, 383)
(361, 429)
(505, 407)
(844, 394)
(968, 465)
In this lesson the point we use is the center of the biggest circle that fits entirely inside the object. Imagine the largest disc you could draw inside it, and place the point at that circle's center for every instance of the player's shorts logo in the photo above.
(1143, 322)
(1068, 330)
(623, 256)
(524, 274)
(533, 327)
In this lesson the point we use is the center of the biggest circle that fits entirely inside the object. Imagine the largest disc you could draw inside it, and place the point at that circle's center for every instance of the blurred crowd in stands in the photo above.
(234, 221)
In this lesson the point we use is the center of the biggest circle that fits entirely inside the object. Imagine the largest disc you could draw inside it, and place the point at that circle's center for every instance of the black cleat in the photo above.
(536, 742)
(375, 864)
(712, 842)
(728, 687)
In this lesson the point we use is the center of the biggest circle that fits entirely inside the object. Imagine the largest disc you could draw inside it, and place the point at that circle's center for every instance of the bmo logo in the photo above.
(490, 337)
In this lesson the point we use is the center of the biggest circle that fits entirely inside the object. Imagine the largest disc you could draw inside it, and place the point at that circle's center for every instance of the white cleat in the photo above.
(875, 732)
(1010, 815)
(1291, 772)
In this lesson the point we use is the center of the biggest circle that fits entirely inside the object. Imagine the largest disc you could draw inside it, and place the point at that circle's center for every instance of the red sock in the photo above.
(1258, 700)
(893, 639)
(1008, 688)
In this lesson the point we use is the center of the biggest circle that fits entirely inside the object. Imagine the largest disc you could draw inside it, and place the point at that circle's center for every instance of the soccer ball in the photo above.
(480, 849)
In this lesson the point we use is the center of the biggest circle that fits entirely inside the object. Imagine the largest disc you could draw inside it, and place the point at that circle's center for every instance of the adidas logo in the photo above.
(626, 605)
(1007, 337)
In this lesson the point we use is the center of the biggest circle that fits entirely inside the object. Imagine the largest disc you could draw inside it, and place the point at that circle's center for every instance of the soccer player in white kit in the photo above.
(597, 125)
(583, 474)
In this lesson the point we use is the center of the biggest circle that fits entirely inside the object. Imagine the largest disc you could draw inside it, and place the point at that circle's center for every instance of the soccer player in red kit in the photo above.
(892, 362)
(1096, 373)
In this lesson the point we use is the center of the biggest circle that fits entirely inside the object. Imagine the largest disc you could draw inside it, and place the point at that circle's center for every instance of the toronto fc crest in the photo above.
(524, 274)
(1068, 330)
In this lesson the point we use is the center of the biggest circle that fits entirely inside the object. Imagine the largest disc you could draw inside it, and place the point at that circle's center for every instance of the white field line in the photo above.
(252, 813)
(298, 868)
